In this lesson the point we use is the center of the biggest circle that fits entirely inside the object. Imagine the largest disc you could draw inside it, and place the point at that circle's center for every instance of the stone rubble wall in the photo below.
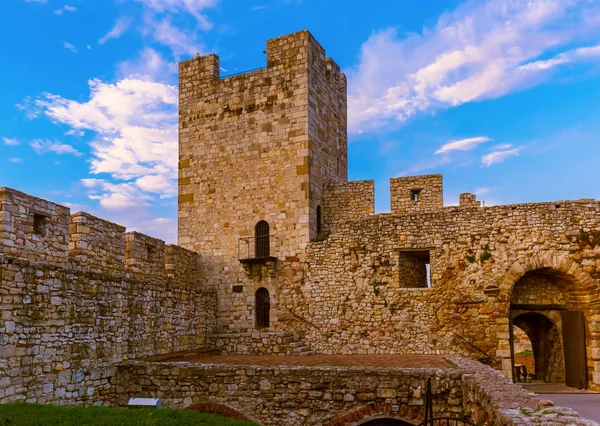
(70, 314)
(351, 292)
(350, 201)
(257, 343)
(467, 200)
(338, 396)
(285, 395)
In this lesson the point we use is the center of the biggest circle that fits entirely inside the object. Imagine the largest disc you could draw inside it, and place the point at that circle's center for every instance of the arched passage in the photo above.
(547, 306)
(546, 345)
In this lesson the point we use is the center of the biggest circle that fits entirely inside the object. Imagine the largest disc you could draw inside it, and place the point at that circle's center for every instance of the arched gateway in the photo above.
(550, 307)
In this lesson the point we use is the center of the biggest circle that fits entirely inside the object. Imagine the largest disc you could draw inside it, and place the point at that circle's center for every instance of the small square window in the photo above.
(414, 194)
(39, 224)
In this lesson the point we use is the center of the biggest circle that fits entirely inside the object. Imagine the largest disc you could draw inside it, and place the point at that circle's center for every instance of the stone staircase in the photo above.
(296, 346)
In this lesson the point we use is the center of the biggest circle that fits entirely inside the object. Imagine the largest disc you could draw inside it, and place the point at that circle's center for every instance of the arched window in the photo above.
(319, 220)
(262, 246)
(263, 307)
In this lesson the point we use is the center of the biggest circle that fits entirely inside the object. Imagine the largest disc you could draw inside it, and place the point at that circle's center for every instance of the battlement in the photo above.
(44, 232)
(348, 202)
(414, 194)
(32, 228)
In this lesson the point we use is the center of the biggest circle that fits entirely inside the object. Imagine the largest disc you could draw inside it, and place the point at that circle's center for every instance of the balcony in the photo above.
(259, 249)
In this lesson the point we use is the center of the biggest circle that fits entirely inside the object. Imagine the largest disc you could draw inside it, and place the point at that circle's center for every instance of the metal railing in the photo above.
(491, 359)
(261, 247)
(440, 421)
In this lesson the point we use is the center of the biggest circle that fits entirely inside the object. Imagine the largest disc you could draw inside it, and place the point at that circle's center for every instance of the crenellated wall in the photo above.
(80, 295)
(416, 194)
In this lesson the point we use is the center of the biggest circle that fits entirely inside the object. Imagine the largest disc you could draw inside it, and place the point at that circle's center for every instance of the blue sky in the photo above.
(501, 96)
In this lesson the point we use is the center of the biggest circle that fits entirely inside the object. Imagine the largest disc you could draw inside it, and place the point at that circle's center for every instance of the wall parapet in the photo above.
(33, 228)
(412, 194)
(348, 202)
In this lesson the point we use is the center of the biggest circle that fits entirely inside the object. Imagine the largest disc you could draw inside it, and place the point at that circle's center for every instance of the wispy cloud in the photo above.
(16, 160)
(150, 63)
(64, 9)
(472, 53)
(11, 142)
(259, 7)
(121, 25)
(191, 7)
(570, 56)
(163, 31)
(135, 121)
(70, 47)
(499, 156)
(462, 144)
(36, 1)
(43, 146)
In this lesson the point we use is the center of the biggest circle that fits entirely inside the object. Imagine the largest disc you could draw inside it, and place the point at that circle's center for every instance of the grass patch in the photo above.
(526, 352)
(50, 415)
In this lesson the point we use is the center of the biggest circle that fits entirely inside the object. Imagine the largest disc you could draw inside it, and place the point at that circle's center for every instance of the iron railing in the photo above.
(255, 248)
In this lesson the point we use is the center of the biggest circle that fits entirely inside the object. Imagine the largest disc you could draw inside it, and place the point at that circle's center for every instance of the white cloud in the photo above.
(150, 64)
(570, 56)
(462, 144)
(472, 53)
(36, 1)
(70, 47)
(16, 160)
(260, 7)
(10, 141)
(121, 25)
(88, 47)
(135, 122)
(74, 132)
(115, 196)
(43, 146)
(192, 7)
(179, 41)
(29, 107)
(499, 156)
(64, 9)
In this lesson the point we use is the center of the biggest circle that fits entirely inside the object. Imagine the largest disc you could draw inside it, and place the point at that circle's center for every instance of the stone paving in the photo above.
(587, 405)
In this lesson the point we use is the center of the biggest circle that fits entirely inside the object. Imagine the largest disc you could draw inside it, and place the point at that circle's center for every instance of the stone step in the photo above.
(307, 353)
(296, 344)
(289, 339)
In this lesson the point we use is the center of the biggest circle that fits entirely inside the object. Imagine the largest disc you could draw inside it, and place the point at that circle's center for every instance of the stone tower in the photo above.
(257, 147)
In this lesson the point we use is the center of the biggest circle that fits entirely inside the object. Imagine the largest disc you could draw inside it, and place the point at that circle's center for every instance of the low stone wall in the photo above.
(257, 343)
(293, 395)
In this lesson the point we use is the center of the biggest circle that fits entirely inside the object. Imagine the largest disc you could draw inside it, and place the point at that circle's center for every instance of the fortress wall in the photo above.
(428, 189)
(182, 266)
(68, 317)
(145, 256)
(33, 228)
(96, 244)
(352, 292)
(347, 202)
(467, 200)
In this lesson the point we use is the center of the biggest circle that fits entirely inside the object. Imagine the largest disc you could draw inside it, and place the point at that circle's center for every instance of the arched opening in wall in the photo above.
(263, 308)
(546, 347)
(319, 221)
(262, 246)
(547, 306)
(385, 421)
(524, 362)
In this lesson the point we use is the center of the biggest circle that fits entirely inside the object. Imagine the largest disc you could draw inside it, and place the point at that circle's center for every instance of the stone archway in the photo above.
(547, 346)
(540, 299)
(394, 415)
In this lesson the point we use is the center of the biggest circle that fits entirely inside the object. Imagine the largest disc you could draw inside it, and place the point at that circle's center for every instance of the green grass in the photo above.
(50, 415)
(526, 352)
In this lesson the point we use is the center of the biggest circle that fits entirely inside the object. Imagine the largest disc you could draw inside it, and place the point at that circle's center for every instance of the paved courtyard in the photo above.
(587, 405)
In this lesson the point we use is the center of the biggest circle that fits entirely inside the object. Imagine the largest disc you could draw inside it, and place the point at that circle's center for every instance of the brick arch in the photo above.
(218, 408)
(410, 415)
